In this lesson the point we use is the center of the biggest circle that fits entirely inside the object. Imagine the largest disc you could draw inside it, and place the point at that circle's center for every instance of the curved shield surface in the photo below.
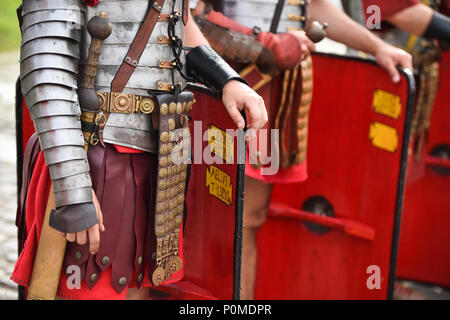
(335, 236)
(424, 237)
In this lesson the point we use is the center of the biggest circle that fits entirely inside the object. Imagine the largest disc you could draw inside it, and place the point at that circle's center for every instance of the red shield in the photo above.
(335, 236)
(214, 214)
(423, 252)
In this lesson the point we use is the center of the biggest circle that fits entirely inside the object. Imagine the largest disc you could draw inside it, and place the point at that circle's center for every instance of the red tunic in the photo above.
(105, 288)
(388, 8)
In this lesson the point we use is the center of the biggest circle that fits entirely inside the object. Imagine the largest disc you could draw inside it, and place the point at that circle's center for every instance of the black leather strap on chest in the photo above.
(277, 16)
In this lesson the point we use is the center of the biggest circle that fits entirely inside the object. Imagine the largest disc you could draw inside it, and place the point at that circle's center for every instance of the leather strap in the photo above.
(185, 11)
(277, 16)
(131, 60)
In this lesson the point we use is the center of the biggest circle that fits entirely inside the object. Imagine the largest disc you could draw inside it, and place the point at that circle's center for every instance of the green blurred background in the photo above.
(9, 26)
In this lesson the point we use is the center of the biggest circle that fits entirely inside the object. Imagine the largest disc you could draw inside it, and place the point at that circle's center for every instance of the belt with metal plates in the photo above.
(112, 102)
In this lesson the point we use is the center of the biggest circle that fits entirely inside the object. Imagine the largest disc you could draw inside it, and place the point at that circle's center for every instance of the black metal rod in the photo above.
(239, 214)
(401, 183)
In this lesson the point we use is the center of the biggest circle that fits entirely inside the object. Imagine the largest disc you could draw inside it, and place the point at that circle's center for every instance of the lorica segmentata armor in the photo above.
(55, 45)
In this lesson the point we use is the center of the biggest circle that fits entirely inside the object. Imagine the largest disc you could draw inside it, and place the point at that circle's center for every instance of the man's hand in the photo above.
(93, 233)
(390, 57)
(237, 96)
(305, 43)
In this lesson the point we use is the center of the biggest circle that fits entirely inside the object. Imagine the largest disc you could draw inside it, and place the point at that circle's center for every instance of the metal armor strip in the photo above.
(55, 108)
(72, 166)
(72, 182)
(47, 61)
(49, 92)
(68, 197)
(57, 156)
(71, 18)
(110, 53)
(55, 29)
(50, 5)
(58, 47)
(47, 76)
(65, 137)
(55, 123)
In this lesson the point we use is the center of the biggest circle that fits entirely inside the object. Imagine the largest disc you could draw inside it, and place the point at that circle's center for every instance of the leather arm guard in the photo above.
(439, 28)
(207, 67)
(236, 46)
(51, 35)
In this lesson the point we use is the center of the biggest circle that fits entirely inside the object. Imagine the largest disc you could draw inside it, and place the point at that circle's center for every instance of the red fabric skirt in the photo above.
(294, 174)
(125, 186)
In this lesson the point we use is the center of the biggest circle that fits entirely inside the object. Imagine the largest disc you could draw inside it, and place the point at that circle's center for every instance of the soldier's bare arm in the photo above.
(422, 20)
(345, 30)
(235, 94)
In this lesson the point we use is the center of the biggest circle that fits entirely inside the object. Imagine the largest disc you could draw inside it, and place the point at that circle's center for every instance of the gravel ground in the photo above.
(9, 71)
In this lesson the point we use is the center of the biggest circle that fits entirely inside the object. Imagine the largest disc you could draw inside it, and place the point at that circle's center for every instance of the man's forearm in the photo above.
(193, 35)
(342, 28)
(414, 19)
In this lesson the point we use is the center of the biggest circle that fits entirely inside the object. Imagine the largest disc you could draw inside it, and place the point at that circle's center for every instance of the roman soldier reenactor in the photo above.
(270, 43)
(104, 82)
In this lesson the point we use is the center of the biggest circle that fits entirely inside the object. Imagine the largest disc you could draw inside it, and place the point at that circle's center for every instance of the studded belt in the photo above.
(113, 102)
(92, 123)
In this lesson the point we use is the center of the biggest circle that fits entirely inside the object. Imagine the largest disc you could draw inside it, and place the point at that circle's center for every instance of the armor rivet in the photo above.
(162, 184)
(159, 231)
(171, 124)
(163, 173)
(164, 108)
(160, 197)
(122, 281)
(179, 108)
(172, 108)
(163, 162)
(105, 260)
(164, 150)
(160, 220)
(93, 277)
(140, 260)
(122, 102)
(78, 255)
(140, 277)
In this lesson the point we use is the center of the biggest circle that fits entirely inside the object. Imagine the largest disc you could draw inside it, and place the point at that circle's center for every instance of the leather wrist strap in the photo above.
(207, 67)
(439, 28)
(131, 60)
